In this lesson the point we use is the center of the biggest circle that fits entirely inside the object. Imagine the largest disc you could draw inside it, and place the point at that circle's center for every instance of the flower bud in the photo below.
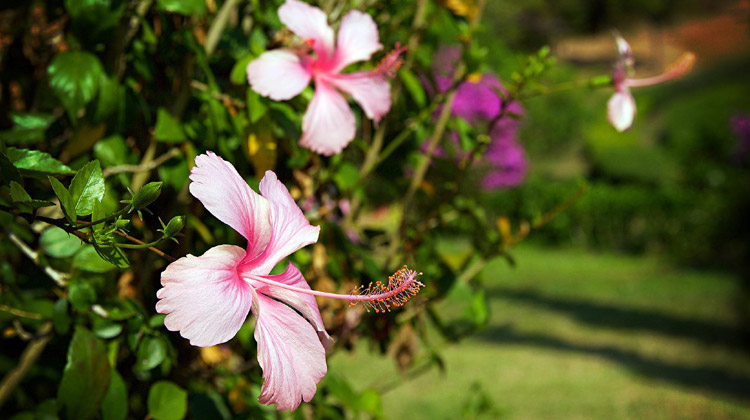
(146, 195)
(174, 226)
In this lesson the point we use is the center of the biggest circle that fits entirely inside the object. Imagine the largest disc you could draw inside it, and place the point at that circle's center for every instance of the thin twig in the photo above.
(195, 84)
(20, 313)
(144, 167)
(29, 356)
(58, 277)
(217, 26)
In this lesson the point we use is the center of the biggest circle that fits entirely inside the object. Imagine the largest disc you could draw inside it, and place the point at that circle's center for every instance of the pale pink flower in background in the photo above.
(329, 124)
(207, 298)
(621, 106)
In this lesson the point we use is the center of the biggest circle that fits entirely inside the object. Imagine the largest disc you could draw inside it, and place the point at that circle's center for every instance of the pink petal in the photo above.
(371, 91)
(278, 74)
(304, 304)
(203, 297)
(228, 197)
(357, 39)
(621, 110)
(290, 354)
(328, 125)
(290, 229)
(308, 22)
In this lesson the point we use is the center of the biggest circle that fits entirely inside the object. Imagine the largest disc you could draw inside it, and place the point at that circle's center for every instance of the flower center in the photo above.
(380, 297)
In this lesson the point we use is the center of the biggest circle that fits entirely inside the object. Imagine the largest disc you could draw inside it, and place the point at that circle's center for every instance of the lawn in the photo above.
(578, 335)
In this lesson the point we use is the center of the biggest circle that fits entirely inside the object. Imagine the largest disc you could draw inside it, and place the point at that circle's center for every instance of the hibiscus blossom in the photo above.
(621, 106)
(329, 124)
(208, 298)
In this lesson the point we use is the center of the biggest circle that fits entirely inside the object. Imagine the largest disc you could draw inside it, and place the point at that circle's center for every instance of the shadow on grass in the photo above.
(728, 384)
(608, 316)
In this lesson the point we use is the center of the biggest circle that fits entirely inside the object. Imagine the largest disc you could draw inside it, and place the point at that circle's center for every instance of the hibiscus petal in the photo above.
(371, 91)
(357, 39)
(228, 197)
(290, 229)
(621, 110)
(203, 297)
(328, 125)
(304, 304)
(278, 74)
(289, 352)
(308, 22)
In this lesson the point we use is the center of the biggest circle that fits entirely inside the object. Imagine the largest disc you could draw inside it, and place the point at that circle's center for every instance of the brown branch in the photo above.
(29, 356)
(144, 167)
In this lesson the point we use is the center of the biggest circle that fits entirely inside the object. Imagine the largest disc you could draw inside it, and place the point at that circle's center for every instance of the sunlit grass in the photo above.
(575, 335)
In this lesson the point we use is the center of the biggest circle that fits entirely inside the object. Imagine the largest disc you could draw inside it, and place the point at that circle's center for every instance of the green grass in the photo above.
(576, 335)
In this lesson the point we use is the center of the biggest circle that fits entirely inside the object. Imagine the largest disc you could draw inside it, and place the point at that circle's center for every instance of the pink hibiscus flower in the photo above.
(621, 106)
(329, 124)
(208, 298)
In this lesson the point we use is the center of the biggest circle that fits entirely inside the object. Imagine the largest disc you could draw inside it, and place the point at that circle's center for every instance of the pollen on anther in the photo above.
(401, 287)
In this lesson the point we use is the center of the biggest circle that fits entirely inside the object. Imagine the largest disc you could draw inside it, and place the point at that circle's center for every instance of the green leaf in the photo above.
(238, 76)
(112, 151)
(87, 188)
(58, 243)
(27, 128)
(66, 201)
(184, 7)
(112, 255)
(413, 85)
(36, 164)
(346, 177)
(104, 328)
(151, 353)
(60, 317)
(18, 194)
(8, 172)
(75, 76)
(115, 403)
(93, 16)
(167, 128)
(167, 401)
(256, 108)
(82, 295)
(111, 95)
(85, 378)
(89, 260)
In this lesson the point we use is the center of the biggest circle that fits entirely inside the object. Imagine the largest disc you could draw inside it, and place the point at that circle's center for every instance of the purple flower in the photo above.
(479, 99)
(506, 157)
(741, 127)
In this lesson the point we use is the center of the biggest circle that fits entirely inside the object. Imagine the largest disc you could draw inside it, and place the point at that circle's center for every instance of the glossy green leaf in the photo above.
(60, 317)
(167, 401)
(413, 86)
(75, 76)
(85, 378)
(113, 255)
(115, 403)
(238, 76)
(18, 194)
(151, 352)
(256, 107)
(36, 164)
(111, 96)
(27, 128)
(87, 188)
(113, 151)
(58, 243)
(184, 7)
(81, 295)
(105, 328)
(8, 171)
(168, 129)
(91, 17)
(347, 176)
(89, 260)
(66, 201)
